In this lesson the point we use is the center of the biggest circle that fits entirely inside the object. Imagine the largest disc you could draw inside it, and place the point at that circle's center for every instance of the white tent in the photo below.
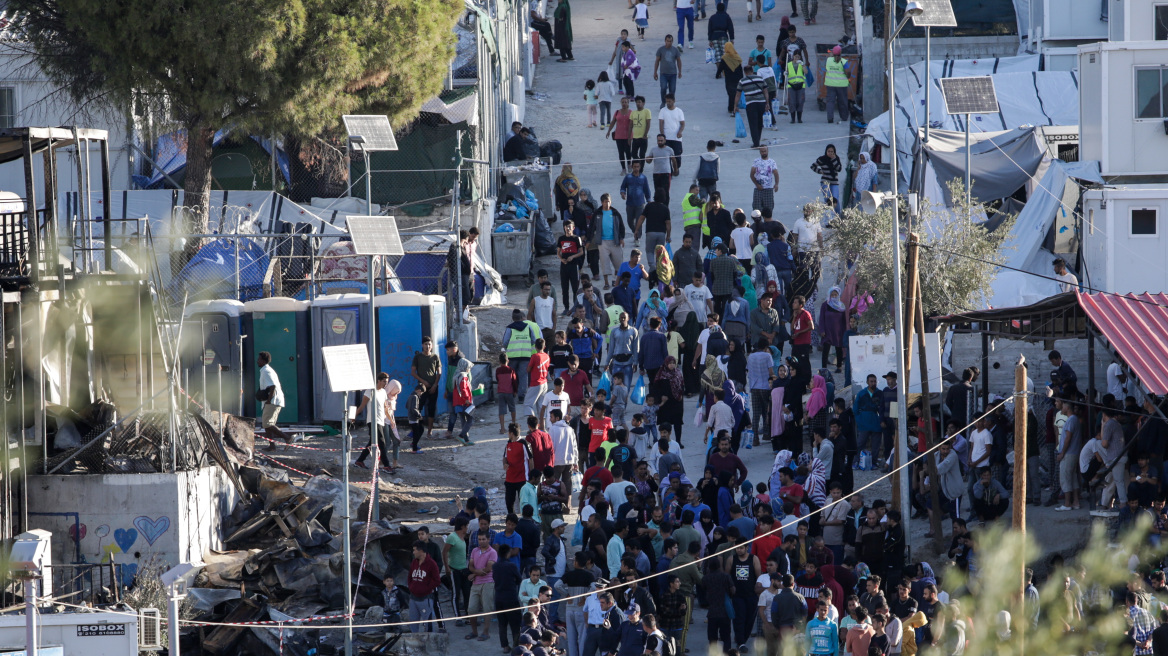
(1056, 193)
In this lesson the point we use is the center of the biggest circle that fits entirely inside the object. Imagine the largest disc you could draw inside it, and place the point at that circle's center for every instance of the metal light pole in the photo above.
(913, 9)
(928, 80)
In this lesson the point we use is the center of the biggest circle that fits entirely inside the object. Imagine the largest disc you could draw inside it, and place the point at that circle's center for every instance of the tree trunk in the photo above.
(197, 185)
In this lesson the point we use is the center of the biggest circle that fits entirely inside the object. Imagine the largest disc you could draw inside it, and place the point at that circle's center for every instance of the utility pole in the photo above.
(900, 499)
(1019, 502)
(927, 407)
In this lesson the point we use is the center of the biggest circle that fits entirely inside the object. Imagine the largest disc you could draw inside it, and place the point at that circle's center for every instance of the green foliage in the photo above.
(949, 282)
(257, 66)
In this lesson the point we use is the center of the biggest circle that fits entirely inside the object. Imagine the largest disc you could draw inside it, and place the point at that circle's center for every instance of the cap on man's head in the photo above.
(556, 523)
(756, 214)
(526, 640)
(891, 374)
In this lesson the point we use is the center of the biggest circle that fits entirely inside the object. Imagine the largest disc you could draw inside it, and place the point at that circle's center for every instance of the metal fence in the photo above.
(75, 583)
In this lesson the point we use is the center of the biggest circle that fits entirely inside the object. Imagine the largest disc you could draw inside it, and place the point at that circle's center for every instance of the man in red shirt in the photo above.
(543, 453)
(598, 427)
(517, 461)
(577, 382)
(791, 492)
(767, 541)
(537, 377)
(423, 582)
(801, 326)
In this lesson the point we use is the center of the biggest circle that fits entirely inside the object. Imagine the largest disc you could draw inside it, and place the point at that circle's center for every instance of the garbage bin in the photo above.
(512, 251)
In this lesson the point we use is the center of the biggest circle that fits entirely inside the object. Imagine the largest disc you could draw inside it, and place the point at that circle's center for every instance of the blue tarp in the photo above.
(170, 153)
(210, 274)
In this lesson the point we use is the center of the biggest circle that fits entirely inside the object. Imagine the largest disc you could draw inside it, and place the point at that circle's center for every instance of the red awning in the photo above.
(1136, 326)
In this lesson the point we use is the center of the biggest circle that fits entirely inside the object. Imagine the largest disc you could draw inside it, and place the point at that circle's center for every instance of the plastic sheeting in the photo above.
(211, 273)
(1024, 99)
(911, 78)
(1000, 162)
(1023, 249)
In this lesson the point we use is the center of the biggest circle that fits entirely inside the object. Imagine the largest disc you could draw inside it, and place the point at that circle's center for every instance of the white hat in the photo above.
(556, 523)
(756, 214)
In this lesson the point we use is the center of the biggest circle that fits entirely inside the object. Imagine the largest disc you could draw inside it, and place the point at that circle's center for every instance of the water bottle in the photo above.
(766, 121)
(748, 438)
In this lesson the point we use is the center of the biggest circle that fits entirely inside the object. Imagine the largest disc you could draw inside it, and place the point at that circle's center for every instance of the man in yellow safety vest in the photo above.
(519, 343)
(835, 81)
(691, 212)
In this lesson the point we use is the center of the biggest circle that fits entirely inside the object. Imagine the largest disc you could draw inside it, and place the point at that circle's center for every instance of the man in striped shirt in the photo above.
(753, 90)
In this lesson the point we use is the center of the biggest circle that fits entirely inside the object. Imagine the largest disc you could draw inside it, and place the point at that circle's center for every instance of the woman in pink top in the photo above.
(621, 130)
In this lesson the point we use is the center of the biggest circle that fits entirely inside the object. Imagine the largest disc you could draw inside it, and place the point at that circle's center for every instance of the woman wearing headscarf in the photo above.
(738, 409)
(818, 413)
(463, 399)
(712, 378)
(651, 307)
(759, 275)
(792, 435)
(669, 390)
(828, 166)
(686, 324)
(665, 270)
(563, 31)
(830, 387)
(583, 214)
(778, 401)
(864, 177)
(567, 189)
(833, 323)
(736, 365)
(730, 70)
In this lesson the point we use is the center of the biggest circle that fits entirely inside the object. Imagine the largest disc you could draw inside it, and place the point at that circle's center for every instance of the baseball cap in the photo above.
(756, 214)
(891, 374)
(526, 640)
(633, 608)
(556, 523)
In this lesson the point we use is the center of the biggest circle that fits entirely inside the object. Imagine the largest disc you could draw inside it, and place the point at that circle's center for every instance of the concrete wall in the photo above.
(1004, 354)
(131, 517)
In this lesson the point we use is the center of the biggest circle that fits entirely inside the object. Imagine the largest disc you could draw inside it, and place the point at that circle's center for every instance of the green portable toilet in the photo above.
(280, 326)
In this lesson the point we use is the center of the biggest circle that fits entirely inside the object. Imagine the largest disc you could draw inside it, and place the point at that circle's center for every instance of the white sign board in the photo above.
(347, 367)
(876, 354)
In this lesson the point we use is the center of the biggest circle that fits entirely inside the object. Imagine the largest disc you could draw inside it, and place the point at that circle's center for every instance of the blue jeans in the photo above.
(787, 278)
(684, 16)
(669, 82)
(700, 8)
(554, 608)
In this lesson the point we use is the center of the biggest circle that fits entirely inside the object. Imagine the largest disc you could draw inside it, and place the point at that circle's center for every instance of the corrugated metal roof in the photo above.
(1136, 326)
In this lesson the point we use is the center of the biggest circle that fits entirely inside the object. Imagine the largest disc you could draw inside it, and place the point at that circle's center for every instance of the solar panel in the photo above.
(375, 129)
(938, 13)
(348, 367)
(375, 235)
(969, 95)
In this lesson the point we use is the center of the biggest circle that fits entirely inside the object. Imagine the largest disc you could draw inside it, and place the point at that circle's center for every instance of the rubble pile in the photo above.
(284, 561)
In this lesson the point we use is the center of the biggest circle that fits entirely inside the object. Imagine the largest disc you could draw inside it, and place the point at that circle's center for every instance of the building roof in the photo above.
(1136, 326)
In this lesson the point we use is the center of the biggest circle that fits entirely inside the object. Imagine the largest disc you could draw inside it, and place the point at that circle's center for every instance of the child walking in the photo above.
(507, 385)
(414, 407)
(605, 90)
(641, 17)
(590, 102)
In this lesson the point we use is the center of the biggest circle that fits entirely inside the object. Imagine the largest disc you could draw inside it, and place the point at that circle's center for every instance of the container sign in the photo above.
(101, 629)
(339, 326)
(208, 357)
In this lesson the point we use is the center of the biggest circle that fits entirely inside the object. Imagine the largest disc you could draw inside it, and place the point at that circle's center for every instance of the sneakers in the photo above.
(691, 45)
(1064, 509)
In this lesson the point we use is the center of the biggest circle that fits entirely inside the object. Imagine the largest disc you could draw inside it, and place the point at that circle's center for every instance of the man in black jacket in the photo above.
(788, 609)
(515, 148)
(529, 532)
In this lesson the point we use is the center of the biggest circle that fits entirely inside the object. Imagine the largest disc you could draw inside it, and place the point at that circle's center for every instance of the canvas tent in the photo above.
(1057, 193)
(1000, 162)
(1024, 99)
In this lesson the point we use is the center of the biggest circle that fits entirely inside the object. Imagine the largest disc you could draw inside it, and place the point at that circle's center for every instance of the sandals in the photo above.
(484, 638)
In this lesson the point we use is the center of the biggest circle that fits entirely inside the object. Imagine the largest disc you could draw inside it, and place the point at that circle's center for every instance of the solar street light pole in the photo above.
(968, 163)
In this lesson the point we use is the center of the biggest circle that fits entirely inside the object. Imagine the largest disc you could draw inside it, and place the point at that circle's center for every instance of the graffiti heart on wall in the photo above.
(125, 538)
(77, 532)
(152, 529)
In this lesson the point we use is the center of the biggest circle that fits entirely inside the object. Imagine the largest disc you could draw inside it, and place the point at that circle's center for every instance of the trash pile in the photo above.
(285, 562)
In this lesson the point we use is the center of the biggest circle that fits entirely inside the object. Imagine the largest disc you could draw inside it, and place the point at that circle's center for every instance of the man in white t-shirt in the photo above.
(557, 399)
(542, 308)
(1067, 280)
(272, 395)
(377, 400)
(671, 123)
(980, 443)
(700, 296)
(1116, 381)
(807, 233)
(764, 173)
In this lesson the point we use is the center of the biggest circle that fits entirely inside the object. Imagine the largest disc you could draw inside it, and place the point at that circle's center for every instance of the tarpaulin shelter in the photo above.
(238, 163)
(421, 169)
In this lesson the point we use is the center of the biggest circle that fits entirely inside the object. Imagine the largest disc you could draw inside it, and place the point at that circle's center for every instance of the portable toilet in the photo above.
(211, 354)
(403, 319)
(337, 319)
(280, 326)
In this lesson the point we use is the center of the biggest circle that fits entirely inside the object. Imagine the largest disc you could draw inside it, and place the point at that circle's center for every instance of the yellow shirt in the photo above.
(642, 119)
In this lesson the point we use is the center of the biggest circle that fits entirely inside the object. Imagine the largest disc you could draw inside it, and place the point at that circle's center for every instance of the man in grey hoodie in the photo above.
(622, 345)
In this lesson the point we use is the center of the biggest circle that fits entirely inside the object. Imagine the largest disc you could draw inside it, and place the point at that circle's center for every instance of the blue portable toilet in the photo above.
(211, 355)
(337, 319)
(403, 319)
(280, 326)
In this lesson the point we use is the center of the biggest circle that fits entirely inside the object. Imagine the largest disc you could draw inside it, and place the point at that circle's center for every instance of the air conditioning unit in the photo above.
(149, 628)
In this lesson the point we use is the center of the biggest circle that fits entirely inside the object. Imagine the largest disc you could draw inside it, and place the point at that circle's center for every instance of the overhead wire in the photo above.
(778, 530)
